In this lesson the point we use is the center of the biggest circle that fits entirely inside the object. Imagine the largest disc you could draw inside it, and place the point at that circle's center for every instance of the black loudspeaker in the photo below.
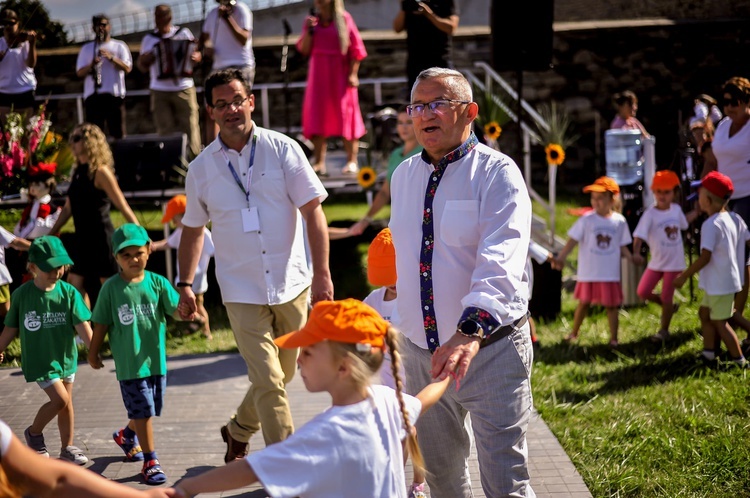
(521, 34)
(150, 162)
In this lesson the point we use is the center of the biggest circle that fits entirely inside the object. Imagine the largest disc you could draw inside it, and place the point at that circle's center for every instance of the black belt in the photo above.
(504, 331)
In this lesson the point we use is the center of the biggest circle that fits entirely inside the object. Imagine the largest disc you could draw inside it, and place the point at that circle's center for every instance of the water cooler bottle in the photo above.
(631, 163)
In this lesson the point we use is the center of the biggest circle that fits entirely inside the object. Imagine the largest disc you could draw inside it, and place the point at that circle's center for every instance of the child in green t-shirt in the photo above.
(133, 306)
(48, 313)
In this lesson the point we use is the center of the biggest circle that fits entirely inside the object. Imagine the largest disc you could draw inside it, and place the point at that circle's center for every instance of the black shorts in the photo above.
(23, 100)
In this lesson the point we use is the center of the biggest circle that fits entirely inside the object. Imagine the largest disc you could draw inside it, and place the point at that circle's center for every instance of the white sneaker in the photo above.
(350, 169)
(73, 454)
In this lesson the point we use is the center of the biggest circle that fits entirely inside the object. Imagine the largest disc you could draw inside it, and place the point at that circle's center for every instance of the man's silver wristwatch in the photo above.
(470, 328)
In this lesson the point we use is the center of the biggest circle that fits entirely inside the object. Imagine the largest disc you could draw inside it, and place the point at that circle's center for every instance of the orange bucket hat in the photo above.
(603, 184)
(176, 205)
(665, 180)
(349, 321)
(381, 260)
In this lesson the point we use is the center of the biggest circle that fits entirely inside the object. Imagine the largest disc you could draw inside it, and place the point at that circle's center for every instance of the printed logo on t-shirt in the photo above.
(128, 315)
(672, 232)
(603, 240)
(32, 322)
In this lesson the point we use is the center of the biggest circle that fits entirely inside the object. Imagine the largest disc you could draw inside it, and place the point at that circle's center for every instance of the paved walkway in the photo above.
(201, 395)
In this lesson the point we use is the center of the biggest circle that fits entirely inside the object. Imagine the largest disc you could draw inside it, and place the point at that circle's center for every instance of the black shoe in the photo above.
(235, 449)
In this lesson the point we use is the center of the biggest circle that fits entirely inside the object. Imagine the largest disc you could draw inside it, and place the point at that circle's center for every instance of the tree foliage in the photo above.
(33, 15)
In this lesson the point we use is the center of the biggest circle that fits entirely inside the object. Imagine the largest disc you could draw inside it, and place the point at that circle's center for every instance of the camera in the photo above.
(411, 5)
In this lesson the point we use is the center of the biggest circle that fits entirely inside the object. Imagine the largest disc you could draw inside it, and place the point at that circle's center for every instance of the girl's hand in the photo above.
(679, 281)
(638, 259)
(353, 80)
(557, 263)
(2, 357)
(95, 361)
(312, 21)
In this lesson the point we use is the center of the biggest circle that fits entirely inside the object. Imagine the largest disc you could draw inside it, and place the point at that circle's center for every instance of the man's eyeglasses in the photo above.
(440, 106)
(233, 105)
(102, 24)
(730, 102)
(74, 139)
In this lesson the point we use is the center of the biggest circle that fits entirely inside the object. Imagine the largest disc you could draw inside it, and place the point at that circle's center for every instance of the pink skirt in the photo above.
(607, 294)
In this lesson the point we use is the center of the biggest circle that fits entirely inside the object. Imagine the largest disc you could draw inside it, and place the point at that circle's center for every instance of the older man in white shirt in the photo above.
(461, 221)
(256, 187)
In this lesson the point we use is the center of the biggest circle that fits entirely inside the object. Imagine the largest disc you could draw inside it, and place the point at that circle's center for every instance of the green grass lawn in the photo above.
(645, 420)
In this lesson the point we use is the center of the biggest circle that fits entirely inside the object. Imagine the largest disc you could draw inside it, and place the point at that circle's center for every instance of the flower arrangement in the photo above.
(492, 115)
(557, 138)
(366, 177)
(22, 147)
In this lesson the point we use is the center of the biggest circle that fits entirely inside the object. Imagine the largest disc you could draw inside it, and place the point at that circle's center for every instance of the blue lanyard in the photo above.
(245, 191)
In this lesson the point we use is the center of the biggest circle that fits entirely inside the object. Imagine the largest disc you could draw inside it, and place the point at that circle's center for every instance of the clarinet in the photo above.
(97, 67)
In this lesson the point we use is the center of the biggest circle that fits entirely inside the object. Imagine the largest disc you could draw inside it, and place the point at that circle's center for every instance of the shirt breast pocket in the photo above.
(459, 225)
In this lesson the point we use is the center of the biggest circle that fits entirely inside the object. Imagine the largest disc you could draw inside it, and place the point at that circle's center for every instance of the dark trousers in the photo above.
(107, 112)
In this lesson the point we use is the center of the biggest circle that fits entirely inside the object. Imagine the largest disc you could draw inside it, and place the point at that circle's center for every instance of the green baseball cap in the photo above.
(48, 253)
(129, 235)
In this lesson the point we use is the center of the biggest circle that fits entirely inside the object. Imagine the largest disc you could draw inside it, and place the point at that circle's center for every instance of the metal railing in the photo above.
(143, 20)
(493, 81)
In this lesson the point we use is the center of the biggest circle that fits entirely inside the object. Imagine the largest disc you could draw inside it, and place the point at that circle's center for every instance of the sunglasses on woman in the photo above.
(74, 139)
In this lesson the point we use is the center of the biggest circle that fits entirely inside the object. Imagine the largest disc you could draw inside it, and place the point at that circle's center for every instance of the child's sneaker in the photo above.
(36, 443)
(133, 451)
(417, 490)
(152, 473)
(73, 454)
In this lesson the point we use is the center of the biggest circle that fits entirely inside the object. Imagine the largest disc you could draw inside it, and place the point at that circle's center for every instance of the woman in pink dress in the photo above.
(331, 106)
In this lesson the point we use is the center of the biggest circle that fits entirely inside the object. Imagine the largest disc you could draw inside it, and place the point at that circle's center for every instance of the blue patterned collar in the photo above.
(456, 154)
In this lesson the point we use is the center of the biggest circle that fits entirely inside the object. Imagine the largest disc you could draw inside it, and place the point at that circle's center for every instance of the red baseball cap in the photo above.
(718, 184)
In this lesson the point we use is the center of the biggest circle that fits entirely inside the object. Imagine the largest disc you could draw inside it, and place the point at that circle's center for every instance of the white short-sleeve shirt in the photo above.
(227, 50)
(345, 449)
(268, 265)
(200, 281)
(600, 240)
(168, 84)
(732, 154)
(113, 78)
(5, 239)
(721, 275)
(662, 231)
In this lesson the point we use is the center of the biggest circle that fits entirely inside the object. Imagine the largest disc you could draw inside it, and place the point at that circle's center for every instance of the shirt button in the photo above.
(267, 271)
(434, 178)
(263, 252)
(428, 210)
(424, 274)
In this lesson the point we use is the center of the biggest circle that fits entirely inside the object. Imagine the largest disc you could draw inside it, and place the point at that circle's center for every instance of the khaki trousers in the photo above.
(269, 368)
(178, 112)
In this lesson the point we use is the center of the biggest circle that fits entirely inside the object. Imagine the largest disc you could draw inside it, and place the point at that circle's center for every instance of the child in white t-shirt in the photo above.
(175, 211)
(7, 239)
(604, 237)
(381, 270)
(661, 227)
(355, 446)
(719, 275)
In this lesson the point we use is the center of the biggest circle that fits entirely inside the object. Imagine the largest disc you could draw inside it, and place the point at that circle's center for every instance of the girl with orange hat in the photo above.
(661, 226)
(356, 445)
(604, 237)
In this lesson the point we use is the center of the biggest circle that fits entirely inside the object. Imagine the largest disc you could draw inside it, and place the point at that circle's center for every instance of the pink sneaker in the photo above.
(417, 490)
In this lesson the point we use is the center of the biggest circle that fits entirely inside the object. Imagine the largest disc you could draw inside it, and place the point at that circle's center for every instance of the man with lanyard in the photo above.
(256, 187)
(103, 63)
(461, 222)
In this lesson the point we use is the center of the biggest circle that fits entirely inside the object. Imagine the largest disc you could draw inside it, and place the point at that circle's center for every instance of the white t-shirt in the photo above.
(166, 84)
(345, 451)
(600, 240)
(266, 265)
(15, 75)
(113, 78)
(662, 231)
(743, 235)
(732, 156)
(5, 437)
(227, 50)
(389, 311)
(5, 239)
(200, 281)
(721, 275)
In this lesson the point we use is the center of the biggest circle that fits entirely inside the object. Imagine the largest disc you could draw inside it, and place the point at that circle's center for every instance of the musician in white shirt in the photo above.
(228, 39)
(103, 63)
(173, 100)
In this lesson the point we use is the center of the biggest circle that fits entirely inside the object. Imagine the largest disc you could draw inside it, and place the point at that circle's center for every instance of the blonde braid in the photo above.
(391, 339)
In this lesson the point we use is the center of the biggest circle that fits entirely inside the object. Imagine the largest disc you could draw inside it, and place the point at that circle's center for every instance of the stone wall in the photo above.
(666, 63)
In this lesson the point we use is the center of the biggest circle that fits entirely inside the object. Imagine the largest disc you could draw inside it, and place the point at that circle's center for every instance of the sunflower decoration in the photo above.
(557, 137)
(493, 114)
(366, 177)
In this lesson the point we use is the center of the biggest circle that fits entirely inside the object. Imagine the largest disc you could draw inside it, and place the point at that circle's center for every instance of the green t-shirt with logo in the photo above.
(398, 156)
(46, 323)
(136, 316)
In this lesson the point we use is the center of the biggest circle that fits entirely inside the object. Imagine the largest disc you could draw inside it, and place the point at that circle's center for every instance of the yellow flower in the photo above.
(555, 154)
(366, 177)
(492, 130)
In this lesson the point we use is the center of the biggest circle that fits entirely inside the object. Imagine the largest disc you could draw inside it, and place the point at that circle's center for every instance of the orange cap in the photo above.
(381, 260)
(665, 180)
(603, 184)
(176, 205)
(350, 321)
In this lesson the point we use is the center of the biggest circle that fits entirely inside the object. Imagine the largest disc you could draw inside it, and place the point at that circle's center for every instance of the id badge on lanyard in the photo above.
(250, 218)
